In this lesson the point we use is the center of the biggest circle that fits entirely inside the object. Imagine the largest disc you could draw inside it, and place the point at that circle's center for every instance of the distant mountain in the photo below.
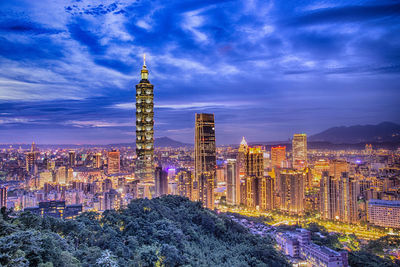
(168, 142)
(383, 132)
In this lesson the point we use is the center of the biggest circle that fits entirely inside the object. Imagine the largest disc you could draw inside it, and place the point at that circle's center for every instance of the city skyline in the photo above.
(266, 70)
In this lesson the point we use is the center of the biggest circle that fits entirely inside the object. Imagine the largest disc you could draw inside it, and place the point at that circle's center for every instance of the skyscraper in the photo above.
(290, 185)
(205, 158)
(98, 163)
(72, 158)
(233, 182)
(240, 158)
(338, 197)
(145, 128)
(161, 182)
(113, 162)
(278, 155)
(254, 166)
(299, 151)
(3, 196)
(185, 183)
(31, 158)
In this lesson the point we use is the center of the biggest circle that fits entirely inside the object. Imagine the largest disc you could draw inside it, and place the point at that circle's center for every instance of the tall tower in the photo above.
(144, 128)
(205, 158)
(113, 159)
(299, 151)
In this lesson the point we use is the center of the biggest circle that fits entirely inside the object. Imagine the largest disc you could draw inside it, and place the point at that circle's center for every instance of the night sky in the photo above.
(267, 69)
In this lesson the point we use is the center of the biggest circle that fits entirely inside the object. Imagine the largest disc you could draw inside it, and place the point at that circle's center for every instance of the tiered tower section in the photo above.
(145, 128)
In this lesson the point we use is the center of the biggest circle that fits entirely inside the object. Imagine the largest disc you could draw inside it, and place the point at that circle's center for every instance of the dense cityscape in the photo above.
(352, 192)
(151, 133)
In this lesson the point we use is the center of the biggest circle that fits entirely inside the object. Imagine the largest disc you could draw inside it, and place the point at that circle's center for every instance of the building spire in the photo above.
(144, 72)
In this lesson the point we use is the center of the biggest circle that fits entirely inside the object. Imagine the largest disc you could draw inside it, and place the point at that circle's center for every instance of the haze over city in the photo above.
(266, 69)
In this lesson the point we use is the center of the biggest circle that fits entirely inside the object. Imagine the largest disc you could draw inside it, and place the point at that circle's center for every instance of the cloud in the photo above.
(264, 68)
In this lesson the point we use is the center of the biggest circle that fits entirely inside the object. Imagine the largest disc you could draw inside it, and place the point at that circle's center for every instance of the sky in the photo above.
(266, 69)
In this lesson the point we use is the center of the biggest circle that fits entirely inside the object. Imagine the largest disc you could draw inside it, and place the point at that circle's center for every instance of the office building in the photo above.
(144, 170)
(233, 182)
(299, 151)
(254, 169)
(240, 159)
(384, 213)
(337, 167)
(205, 158)
(290, 186)
(113, 161)
(185, 183)
(3, 196)
(97, 161)
(278, 156)
(72, 158)
(338, 198)
(31, 158)
(161, 182)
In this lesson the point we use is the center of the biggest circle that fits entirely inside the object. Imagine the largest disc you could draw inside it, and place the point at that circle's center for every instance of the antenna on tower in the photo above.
(144, 59)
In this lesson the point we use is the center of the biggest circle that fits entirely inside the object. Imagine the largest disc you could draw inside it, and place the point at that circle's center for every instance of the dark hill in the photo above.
(166, 231)
(383, 132)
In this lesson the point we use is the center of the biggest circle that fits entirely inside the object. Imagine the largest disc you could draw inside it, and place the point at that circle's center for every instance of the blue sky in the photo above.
(267, 69)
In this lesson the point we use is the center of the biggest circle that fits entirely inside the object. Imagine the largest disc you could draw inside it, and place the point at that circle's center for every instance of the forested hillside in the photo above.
(166, 231)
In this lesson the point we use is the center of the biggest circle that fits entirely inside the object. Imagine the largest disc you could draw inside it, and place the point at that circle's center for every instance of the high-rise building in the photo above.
(337, 167)
(299, 151)
(290, 185)
(72, 158)
(144, 170)
(254, 166)
(31, 158)
(161, 182)
(384, 213)
(3, 196)
(185, 183)
(265, 192)
(61, 177)
(113, 162)
(240, 159)
(338, 198)
(205, 158)
(98, 163)
(348, 191)
(278, 155)
(233, 182)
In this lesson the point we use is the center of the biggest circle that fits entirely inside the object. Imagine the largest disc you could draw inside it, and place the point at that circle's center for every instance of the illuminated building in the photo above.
(161, 182)
(299, 151)
(97, 161)
(31, 158)
(290, 186)
(113, 161)
(240, 159)
(254, 166)
(61, 176)
(348, 191)
(3, 197)
(56, 209)
(185, 184)
(205, 158)
(145, 128)
(338, 198)
(278, 155)
(337, 167)
(384, 213)
(72, 158)
(265, 193)
(233, 183)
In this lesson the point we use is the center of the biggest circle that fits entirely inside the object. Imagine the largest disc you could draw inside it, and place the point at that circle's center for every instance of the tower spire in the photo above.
(144, 72)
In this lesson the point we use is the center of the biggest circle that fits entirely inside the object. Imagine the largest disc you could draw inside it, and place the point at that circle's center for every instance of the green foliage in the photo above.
(166, 231)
